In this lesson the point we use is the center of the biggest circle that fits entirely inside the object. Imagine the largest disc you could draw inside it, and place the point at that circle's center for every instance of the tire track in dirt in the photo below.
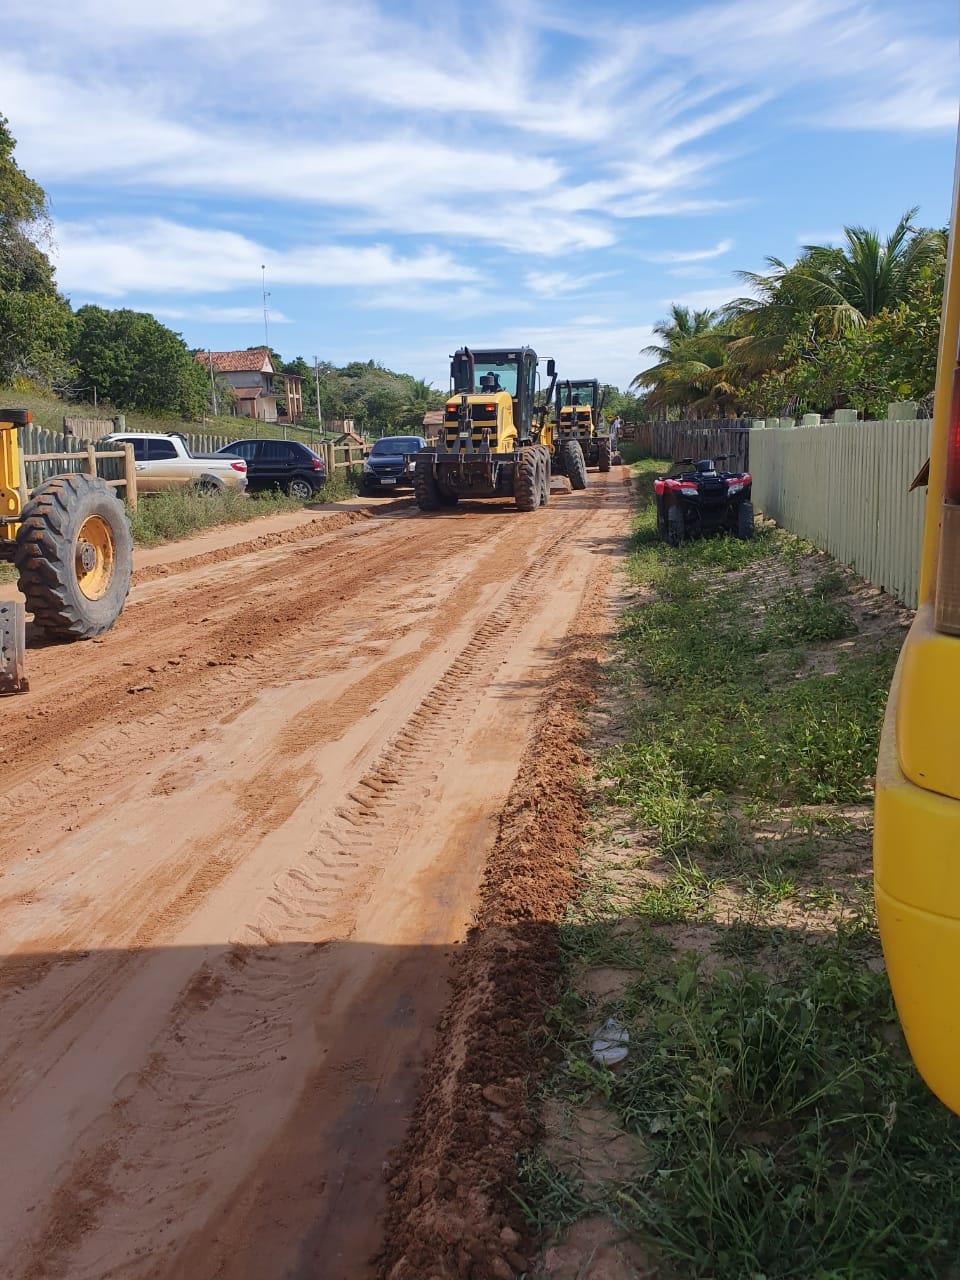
(238, 1020)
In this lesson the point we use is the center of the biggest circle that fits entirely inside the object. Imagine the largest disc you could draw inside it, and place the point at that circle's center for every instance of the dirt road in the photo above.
(242, 834)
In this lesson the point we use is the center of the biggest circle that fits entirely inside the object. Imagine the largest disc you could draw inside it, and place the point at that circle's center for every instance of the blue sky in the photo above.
(419, 176)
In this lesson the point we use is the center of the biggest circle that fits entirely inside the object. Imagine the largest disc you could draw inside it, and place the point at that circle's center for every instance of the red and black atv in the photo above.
(697, 498)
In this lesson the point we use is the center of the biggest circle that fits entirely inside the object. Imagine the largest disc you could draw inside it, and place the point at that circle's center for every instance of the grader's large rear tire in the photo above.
(574, 464)
(604, 455)
(74, 555)
(527, 479)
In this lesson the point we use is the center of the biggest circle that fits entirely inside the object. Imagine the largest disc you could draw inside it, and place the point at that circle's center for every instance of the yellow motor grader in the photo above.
(580, 420)
(71, 544)
(495, 440)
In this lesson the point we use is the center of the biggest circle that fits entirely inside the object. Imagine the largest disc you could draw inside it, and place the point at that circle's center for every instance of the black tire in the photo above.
(527, 483)
(544, 476)
(425, 488)
(300, 489)
(745, 520)
(74, 588)
(603, 455)
(448, 499)
(574, 464)
(209, 485)
(676, 526)
(661, 519)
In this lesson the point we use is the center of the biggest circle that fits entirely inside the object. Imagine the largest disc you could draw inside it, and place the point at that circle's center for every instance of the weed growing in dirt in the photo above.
(176, 513)
(789, 1134)
(790, 1140)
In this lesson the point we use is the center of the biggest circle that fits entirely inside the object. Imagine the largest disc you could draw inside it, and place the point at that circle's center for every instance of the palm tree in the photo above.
(694, 370)
(418, 397)
(831, 289)
(852, 284)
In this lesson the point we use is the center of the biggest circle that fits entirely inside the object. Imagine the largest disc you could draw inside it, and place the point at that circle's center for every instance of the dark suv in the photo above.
(390, 463)
(281, 464)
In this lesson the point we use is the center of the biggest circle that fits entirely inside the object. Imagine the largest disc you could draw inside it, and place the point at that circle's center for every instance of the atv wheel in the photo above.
(425, 487)
(745, 520)
(527, 482)
(661, 520)
(74, 555)
(574, 465)
(604, 455)
(676, 527)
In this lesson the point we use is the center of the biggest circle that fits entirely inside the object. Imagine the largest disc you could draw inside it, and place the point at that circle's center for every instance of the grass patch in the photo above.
(791, 1139)
(789, 1134)
(177, 513)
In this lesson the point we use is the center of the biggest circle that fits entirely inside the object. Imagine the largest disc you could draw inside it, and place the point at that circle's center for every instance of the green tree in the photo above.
(138, 363)
(34, 319)
(696, 371)
(419, 399)
(866, 275)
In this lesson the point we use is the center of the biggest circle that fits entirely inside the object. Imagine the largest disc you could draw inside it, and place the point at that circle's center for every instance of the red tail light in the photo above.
(317, 464)
(947, 612)
(239, 466)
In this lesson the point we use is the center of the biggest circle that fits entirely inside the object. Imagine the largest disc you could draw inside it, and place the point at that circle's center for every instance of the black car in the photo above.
(281, 464)
(390, 463)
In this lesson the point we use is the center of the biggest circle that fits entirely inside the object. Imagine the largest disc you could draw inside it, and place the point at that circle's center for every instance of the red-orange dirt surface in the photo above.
(243, 835)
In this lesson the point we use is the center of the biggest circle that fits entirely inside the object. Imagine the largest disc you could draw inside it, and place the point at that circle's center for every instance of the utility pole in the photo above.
(213, 384)
(319, 411)
(266, 325)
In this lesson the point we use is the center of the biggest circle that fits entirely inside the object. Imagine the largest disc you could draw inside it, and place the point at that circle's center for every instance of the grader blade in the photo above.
(13, 646)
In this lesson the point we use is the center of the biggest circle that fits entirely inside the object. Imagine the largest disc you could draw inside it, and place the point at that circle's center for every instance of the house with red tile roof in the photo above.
(251, 374)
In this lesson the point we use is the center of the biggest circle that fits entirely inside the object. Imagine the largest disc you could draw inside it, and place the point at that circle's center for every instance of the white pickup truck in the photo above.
(165, 462)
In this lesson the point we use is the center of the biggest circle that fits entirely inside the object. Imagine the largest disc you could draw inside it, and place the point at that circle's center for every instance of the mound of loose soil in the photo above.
(451, 1212)
(265, 542)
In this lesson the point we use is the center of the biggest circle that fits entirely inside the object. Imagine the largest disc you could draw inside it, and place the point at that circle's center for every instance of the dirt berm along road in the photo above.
(242, 835)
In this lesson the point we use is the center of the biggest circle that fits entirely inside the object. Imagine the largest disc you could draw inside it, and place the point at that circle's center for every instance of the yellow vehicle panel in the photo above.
(917, 810)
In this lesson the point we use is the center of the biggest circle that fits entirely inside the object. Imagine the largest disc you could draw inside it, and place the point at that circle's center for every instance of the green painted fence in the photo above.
(844, 487)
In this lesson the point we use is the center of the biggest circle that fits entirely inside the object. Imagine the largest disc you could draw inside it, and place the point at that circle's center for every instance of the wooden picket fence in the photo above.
(844, 487)
(696, 438)
(51, 453)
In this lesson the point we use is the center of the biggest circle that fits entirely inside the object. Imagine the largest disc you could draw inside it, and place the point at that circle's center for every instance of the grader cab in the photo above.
(495, 440)
(580, 419)
(71, 544)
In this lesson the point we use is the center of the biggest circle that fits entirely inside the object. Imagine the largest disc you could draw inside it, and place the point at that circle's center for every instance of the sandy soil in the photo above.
(243, 836)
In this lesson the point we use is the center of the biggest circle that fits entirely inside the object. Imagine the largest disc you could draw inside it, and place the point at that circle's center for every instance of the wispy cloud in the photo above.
(205, 314)
(690, 255)
(551, 283)
(110, 259)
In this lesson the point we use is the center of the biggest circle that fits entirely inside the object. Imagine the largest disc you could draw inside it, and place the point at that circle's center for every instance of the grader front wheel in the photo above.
(74, 555)
(528, 480)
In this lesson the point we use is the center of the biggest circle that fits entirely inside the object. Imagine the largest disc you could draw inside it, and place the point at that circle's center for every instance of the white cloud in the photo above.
(553, 283)
(111, 259)
(690, 255)
(202, 313)
(820, 237)
(708, 299)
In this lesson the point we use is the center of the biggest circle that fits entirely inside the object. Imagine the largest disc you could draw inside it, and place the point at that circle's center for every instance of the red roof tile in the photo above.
(235, 361)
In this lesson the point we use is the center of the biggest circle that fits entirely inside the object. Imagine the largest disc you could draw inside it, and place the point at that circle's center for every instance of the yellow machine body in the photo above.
(491, 416)
(11, 476)
(917, 829)
(578, 418)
